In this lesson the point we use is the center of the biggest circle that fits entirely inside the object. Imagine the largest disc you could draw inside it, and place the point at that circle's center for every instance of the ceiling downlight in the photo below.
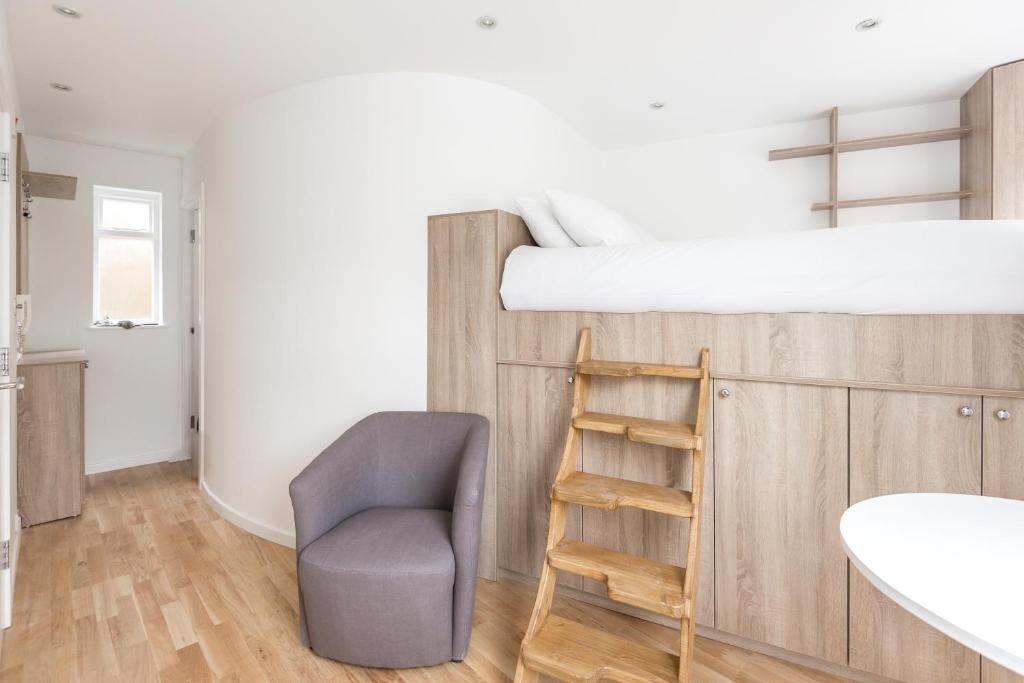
(63, 87)
(868, 24)
(487, 22)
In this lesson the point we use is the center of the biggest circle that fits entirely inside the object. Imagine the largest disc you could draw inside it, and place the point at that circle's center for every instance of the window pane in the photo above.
(126, 278)
(125, 214)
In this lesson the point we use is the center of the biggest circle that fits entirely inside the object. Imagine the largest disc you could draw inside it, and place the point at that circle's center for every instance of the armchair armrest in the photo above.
(337, 484)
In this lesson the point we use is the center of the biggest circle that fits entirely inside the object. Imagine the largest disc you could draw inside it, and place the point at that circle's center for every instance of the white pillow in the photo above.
(592, 224)
(542, 223)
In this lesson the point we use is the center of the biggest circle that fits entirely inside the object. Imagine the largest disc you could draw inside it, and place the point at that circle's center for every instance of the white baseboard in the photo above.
(279, 536)
(110, 464)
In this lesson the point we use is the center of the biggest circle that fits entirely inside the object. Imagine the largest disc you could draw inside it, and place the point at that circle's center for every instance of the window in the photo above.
(126, 256)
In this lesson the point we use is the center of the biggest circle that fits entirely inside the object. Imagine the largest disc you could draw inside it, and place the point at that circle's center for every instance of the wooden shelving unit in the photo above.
(835, 147)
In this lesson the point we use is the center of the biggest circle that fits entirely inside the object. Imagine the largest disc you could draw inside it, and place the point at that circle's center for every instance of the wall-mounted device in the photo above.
(22, 317)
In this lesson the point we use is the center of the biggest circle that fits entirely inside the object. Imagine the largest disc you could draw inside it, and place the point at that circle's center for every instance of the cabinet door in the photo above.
(903, 442)
(51, 442)
(656, 536)
(1003, 453)
(534, 405)
(780, 489)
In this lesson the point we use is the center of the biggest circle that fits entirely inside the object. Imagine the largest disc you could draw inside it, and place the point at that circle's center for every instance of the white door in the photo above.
(195, 349)
(9, 382)
(196, 328)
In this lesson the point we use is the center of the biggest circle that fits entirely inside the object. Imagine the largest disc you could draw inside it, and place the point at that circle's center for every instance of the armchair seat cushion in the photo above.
(383, 582)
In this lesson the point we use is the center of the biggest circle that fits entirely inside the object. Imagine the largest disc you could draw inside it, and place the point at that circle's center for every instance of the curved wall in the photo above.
(315, 244)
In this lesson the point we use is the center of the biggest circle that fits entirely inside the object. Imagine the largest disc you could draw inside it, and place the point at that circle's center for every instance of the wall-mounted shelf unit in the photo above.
(896, 199)
(51, 185)
(835, 147)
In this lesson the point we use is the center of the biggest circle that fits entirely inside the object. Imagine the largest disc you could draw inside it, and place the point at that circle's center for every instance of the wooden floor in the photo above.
(151, 584)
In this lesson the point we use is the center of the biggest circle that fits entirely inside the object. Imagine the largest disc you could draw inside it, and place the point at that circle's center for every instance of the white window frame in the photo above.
(155, 201)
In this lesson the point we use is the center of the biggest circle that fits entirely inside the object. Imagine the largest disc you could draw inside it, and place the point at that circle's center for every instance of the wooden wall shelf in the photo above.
(834, 147)
(51, 185)
(898, 199)
(871, 143)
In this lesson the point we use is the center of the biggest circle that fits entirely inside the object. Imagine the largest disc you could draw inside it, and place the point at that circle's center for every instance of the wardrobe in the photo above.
(992, 156)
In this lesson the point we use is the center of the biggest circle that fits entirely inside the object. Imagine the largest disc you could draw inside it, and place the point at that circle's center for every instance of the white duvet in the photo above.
(896, 268)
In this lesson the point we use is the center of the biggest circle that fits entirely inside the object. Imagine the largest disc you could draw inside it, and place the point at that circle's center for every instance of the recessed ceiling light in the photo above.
(66, 11)
(657, 105)
(868, 24)
(487, 22)
(63, 87)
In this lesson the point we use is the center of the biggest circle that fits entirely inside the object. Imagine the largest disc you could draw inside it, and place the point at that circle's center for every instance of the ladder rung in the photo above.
(609, 493)
(632, 580)
(616, 368)
(573, 652)
(642, 430)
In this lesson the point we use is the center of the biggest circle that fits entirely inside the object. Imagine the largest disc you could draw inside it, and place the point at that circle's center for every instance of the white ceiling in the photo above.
(152, 75)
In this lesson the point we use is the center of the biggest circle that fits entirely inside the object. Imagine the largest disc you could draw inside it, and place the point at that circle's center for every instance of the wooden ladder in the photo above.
(570, 651)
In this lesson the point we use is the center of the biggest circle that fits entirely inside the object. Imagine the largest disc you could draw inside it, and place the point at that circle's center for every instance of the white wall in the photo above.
(724, 184)
(317, 198)
(316, 267)
(133, 385)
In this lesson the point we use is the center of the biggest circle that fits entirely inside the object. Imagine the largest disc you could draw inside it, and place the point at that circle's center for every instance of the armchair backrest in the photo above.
(395, 459)
(418, 457)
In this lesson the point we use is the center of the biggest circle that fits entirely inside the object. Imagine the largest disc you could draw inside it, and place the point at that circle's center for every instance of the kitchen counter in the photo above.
(52, 357)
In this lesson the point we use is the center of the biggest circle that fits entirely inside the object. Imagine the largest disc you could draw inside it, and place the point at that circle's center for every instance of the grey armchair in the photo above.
(387, 533)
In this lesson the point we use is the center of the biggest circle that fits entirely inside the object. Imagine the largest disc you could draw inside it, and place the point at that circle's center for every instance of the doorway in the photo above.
(10, 383)
(194, 368)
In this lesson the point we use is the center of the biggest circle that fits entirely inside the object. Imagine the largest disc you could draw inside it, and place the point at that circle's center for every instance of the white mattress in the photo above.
(897, 268)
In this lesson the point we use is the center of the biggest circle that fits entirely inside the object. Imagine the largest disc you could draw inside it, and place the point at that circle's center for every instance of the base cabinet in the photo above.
(1003, 477)
(904, 442)
(784, 461)
(51, 442)
(647, 534)
(535, 404)
(780, 489)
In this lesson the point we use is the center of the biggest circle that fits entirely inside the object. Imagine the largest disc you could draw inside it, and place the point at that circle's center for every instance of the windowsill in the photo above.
(118, 327)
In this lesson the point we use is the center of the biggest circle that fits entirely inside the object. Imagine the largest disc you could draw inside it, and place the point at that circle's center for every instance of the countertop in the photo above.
(52, 357)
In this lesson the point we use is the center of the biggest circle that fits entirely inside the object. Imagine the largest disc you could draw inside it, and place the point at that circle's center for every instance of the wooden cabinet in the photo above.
(533, 421)
(51, 442)
(904, 442)
(992, 156)
(1002, 476)
(780, 489)
(655, 536)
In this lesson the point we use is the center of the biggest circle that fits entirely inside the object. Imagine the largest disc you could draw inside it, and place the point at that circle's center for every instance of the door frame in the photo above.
(194, 315)
(9, 531)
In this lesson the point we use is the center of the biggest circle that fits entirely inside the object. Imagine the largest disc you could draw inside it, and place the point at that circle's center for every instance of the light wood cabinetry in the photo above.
(905, 442)
(992, 157)
(780, 489)
(463, 269)
(1002, 476)
(536, 403)
(658, 537)
(51, 442)
(824, 410)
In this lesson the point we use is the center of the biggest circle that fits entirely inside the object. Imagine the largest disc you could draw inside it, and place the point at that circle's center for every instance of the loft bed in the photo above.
(811, 412)
(926, 267)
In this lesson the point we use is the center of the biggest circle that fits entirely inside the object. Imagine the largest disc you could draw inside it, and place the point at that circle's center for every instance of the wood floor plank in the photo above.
(150, 584)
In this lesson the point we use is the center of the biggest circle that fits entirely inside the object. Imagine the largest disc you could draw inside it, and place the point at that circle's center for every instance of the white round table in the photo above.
(956, 562)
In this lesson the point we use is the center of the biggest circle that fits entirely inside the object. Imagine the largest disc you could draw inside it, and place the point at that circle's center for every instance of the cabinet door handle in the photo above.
(1003, 414)
(966, 411)
(725, 393)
